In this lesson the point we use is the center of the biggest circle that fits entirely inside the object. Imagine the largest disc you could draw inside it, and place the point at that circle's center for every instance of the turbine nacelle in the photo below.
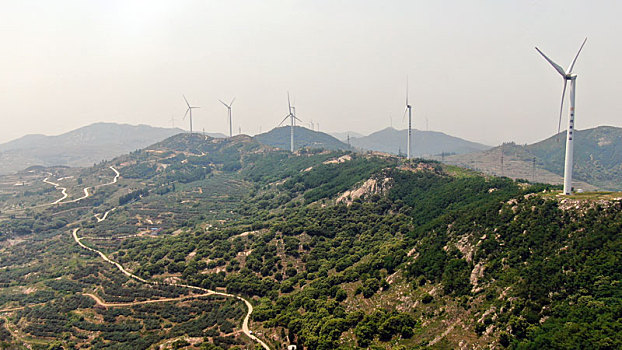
(570, 76)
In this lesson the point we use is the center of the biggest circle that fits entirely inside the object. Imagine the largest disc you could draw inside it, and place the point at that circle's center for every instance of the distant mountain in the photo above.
(303, 137)
(343, 136)
(517, 164)
(392, 141)
(80, 147)
(597, 155)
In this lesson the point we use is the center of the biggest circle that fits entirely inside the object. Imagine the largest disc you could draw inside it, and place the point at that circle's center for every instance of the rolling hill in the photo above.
(80, 147)
(304, 138)
(597, 156)
(343, 136)
(328, 249)
(392, 141)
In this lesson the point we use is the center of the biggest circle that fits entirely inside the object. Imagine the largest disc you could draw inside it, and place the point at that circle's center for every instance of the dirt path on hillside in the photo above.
(85, 190)
(101, 302)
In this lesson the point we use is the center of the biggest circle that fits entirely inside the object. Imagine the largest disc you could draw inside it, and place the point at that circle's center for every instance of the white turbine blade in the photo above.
(186, 101)
(404, 116)
(561, 109)
(407, 90)
(577, 56)
(223, 103)
(298, 119)
(289, 105)
(284, 119)
(184, 118)
(231, 103)
(555, 65)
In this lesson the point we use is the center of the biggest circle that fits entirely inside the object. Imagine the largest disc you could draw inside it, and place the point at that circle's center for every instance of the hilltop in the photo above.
(333, 249)
(597, 159)
(303, 138)
(392, 141)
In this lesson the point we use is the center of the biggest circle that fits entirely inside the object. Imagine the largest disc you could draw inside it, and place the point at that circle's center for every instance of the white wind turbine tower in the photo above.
(229, 109)
(568, 76)
(409, 109)
(189, 110)
(292, 116)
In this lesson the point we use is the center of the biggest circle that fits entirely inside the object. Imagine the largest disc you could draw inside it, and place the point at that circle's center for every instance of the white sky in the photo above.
(472, 67)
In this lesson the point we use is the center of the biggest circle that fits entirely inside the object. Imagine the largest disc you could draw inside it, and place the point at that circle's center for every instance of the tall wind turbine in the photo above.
(568, 76)
(409, 110)
(229, 109)
(189, 110)
(292, 116)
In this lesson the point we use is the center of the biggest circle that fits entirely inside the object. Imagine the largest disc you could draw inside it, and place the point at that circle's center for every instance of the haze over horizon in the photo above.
(472, 66)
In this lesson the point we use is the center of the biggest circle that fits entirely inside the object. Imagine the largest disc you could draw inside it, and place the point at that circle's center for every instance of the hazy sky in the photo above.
(472, 66)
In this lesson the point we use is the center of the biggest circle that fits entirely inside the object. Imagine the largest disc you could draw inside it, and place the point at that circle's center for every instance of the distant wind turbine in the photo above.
(229, 110)
(292, 116)
(409, 110)
(568, 76)
(189, 110)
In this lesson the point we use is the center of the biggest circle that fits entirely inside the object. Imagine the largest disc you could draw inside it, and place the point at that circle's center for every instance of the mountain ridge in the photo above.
(597, 159)
(79, 147)
(303, 138)
(424, 143)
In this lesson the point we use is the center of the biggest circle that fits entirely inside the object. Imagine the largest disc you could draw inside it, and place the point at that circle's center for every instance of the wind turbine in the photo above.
(189, 110)
(292, 116)
(568, 76)
(229, 109)
(409, 109)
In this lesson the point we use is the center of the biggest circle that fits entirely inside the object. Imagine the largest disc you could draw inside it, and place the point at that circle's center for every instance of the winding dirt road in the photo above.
(120, 267)
(103, 217)
(11, 309)
(101, 302)
(114, 180)
(85, 190)
(63, 190)
(205, 291)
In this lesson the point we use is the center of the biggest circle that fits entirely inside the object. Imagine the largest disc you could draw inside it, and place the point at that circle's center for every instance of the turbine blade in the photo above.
(223, 103)
(231, 103)
(577, 56)
(407, 90)
(184, 118)
(298, 119)
(186, 101)
(561, 109)
(284, 119)
(289, 105)
(555, 65)
(404, 116)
